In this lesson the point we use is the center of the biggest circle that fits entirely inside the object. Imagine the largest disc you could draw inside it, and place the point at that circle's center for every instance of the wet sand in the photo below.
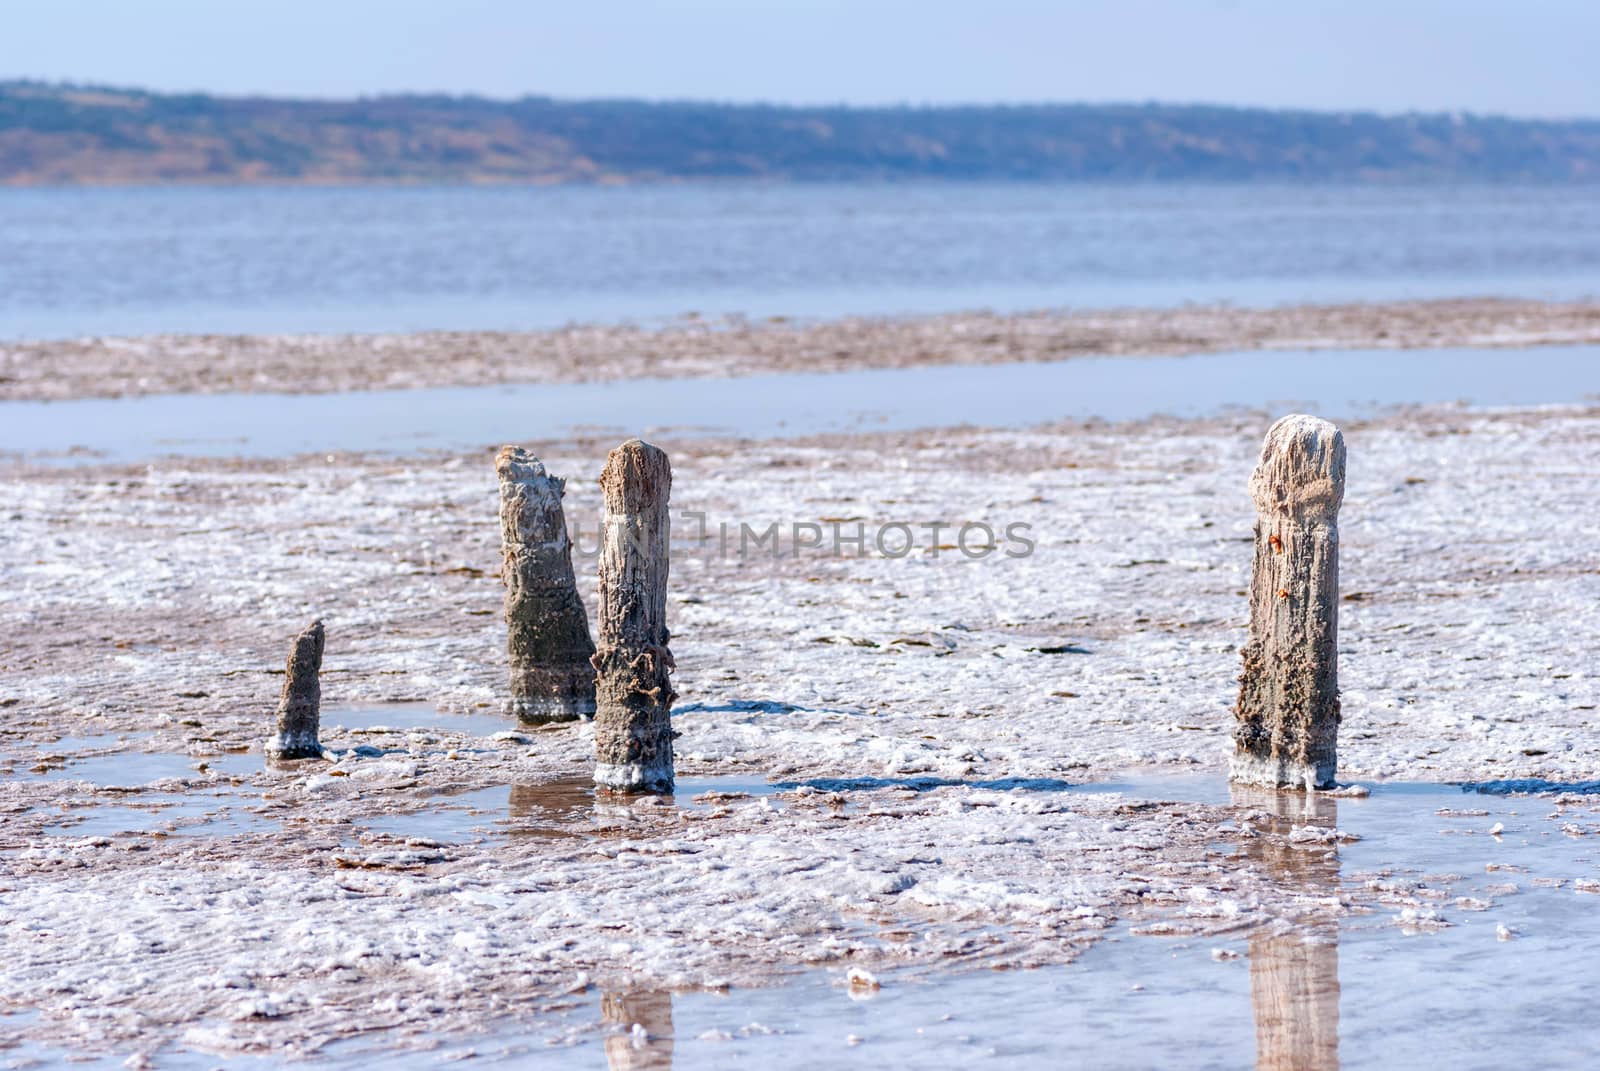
(165, 364)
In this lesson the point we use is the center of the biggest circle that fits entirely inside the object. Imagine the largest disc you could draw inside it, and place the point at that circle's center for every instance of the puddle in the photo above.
(1336, 383)
(202, 811)
(565, 808)
(1532, 785)
(1166, 785)
(132, 768)
(115, 761)
(68, 744)
(413, 717)
(194, 814)
(928, 784)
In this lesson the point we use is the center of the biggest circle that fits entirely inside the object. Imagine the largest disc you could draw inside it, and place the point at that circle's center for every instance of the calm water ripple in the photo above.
(76, 262)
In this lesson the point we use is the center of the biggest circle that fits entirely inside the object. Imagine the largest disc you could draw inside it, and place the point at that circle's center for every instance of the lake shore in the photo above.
(950, 696)
(1139, 533)
(110, 367)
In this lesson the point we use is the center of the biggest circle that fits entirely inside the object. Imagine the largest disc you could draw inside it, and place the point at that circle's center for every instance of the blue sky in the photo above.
(1525, 57)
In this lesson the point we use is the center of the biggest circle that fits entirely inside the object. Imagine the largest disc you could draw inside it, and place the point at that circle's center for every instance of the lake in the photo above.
(134, 261)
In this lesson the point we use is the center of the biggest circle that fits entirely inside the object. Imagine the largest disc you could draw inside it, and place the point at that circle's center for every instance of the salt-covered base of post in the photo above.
(289, 746)
(1280, 772)
(299, 708)
(537, 710)
(635, 776)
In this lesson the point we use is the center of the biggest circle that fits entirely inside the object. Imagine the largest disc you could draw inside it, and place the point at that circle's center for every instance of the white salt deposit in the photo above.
(925, 714)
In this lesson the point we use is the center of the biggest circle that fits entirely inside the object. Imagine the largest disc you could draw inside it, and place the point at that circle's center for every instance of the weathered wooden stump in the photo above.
(633, 692)
(1286, 733)
(547, 629)
(300, 708)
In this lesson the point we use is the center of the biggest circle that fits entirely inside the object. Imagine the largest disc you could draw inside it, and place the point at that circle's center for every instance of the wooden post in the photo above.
(1287, 728)
(547, 630)
(300, 708)
(633, 695)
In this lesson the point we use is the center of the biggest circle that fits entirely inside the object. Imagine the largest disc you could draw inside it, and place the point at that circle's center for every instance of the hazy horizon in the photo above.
(1476, 56)
(753, 102)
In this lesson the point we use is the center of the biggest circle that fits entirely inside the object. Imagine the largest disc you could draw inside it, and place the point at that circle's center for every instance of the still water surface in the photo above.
(136, 261)
(1335, 384)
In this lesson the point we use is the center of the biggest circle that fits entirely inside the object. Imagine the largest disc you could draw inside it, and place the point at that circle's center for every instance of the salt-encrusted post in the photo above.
(547, 629)
(300, 709)
(1287, 726)
(633, 694)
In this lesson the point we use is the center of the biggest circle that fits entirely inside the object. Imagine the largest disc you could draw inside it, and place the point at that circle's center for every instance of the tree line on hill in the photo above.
(53, 134)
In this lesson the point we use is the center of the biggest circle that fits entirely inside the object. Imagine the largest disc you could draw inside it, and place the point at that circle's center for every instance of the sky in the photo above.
(1518, 57)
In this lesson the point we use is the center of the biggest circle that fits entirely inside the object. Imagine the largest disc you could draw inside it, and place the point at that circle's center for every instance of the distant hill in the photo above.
(89, 135)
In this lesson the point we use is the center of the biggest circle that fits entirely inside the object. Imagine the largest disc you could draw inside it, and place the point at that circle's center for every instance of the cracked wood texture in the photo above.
(1287, 718)
(547, 630)
(300, 708)
(633, 692)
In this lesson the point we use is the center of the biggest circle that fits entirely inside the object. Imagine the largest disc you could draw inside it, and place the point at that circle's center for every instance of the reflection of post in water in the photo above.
(647, 1018)
(1294, 977)
(571, 807)
(556, 802)
(1294, 990)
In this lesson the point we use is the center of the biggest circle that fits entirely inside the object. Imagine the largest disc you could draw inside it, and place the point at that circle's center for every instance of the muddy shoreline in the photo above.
(209, 364)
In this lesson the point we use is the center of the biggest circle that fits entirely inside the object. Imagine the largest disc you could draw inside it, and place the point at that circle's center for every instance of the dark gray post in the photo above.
(1287, 728)
(547, 630)
(633, 698)
(300, 709)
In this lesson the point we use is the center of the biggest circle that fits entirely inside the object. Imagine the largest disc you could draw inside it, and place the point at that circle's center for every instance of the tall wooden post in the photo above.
(547, 630)
(633, 693)
(300, 707)
(1286, 733)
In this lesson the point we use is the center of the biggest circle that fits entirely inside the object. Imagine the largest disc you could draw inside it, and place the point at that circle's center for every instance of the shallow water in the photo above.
(202, 811)
(1335, 383)
(410, 717)
(135, 261)
(1494, 971)
(1368, 990)
(191, 814)
(129, 767)
(115, 760)
(567, 808)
